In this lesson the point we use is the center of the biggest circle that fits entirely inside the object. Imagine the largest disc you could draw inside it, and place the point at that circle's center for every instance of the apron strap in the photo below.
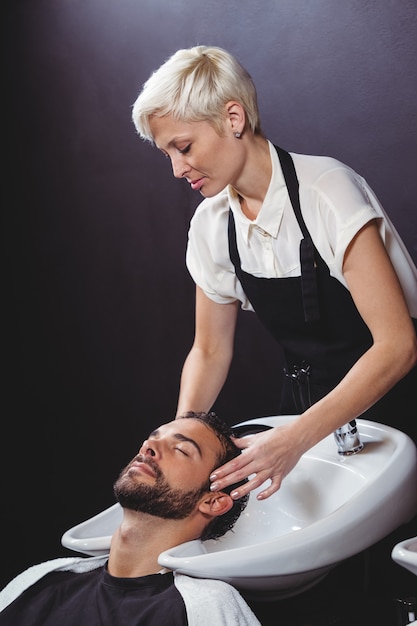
(307, 261)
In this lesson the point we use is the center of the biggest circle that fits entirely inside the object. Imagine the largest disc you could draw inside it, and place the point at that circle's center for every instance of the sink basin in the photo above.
(405, 554)
(94, 535)
(329, 508)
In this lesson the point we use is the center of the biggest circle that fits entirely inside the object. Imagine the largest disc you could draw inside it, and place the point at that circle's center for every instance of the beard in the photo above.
(159, 499)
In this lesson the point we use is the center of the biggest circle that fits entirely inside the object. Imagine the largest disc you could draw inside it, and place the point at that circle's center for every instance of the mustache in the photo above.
(140, 458)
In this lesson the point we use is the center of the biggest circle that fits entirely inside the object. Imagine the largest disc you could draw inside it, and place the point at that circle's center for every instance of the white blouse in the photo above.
(335, 202)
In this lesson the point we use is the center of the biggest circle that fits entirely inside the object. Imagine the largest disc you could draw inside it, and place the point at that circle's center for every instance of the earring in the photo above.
(238, 135)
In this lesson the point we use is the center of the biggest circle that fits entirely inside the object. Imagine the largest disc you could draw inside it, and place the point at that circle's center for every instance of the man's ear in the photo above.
(215, 504)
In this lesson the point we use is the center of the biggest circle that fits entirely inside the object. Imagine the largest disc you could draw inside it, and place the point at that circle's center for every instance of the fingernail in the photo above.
(213, 477)
(214, 486)
(234, 494)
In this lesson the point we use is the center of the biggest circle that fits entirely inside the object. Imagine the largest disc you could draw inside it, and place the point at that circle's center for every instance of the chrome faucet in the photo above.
(347, 439)
(347, 436)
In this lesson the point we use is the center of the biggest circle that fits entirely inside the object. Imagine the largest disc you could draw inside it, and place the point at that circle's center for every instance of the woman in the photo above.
(299, 239)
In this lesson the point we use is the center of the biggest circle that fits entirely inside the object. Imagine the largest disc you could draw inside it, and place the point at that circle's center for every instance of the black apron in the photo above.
(317, 324)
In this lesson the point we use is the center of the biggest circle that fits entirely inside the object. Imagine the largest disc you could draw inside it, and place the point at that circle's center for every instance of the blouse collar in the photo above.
(269, 217)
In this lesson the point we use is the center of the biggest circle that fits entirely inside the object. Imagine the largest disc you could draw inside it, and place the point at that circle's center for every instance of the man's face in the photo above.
(171, 471)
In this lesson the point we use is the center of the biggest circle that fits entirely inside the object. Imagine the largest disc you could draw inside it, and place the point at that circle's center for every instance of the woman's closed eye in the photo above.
(185, 150)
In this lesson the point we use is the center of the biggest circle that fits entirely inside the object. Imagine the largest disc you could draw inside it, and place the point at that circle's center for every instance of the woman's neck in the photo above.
(256, 177)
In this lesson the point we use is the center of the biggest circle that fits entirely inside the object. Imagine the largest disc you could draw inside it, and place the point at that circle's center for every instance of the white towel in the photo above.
(210, 602)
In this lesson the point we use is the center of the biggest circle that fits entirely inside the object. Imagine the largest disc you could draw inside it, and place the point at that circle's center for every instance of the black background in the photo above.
(99, 307)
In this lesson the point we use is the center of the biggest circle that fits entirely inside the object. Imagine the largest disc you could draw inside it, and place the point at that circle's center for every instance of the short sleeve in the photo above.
(207, 255)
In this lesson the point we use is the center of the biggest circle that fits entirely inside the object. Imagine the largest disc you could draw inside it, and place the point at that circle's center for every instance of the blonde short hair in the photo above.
(193, 85)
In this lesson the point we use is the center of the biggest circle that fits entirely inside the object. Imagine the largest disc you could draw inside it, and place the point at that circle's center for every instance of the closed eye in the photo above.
(185, 150)
(182, 451)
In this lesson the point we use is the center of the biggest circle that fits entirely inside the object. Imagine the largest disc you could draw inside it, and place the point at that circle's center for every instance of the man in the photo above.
(166, 500)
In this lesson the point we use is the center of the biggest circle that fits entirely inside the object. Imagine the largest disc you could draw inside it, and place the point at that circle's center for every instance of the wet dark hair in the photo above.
(218, 526)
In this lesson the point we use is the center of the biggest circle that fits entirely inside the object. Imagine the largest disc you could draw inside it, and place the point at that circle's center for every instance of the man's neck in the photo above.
(140, 539)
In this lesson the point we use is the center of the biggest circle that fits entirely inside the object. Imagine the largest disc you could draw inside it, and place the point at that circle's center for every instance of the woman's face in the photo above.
(207, 160)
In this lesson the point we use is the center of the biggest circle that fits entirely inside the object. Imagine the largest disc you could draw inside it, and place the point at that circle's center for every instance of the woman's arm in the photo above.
(378, 296)
(207, 365)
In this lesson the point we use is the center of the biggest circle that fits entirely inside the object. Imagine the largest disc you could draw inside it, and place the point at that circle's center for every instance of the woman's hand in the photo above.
(268, 455)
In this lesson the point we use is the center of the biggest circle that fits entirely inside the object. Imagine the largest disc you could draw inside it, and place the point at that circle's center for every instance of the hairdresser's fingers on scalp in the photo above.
(248, 471)
(241, 442)
(229, 479)
(230, 467)
(253, 483)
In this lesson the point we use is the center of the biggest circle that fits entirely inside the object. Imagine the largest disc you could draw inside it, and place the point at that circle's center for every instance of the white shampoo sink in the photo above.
(405, 554)
(329, 508)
